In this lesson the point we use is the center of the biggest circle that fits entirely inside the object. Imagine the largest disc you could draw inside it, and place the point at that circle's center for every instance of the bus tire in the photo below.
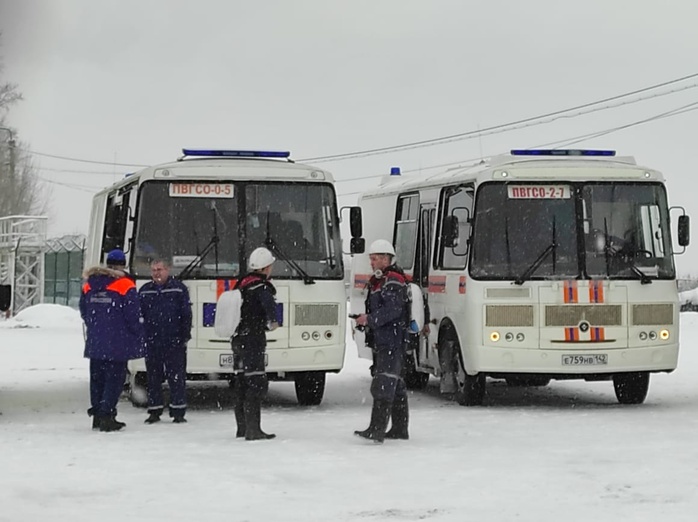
(137, 393)
(471, 389)
(414, 379)
(310, 387)
(632, 387)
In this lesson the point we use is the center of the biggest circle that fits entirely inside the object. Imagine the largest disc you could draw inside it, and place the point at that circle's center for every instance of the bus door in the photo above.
(422, 265)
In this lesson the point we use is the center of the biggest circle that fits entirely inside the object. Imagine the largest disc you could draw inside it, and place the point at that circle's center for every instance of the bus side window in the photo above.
(456, 202)
(115, 222)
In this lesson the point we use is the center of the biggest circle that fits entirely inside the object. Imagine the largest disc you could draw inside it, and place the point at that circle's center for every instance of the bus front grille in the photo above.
(595, 315)
(653, 314)
(508, 315)
(316, 315)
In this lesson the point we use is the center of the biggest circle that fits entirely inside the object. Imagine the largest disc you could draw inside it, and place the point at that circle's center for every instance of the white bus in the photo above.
(535, 265)
(205, 213)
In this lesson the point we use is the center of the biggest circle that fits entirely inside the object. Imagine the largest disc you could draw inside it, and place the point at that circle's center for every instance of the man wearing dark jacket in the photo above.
(387, 318)
(167, 320)
(257, 316)
(114, 335)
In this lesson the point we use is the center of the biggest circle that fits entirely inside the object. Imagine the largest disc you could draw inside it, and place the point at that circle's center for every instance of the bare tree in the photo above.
(20, 189)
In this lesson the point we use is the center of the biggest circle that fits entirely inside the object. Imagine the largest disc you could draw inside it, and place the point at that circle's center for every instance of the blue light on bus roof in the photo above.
(237, 153)
(562, 152)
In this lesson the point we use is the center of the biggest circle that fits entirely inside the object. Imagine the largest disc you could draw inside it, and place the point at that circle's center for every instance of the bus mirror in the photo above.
(357, 245)
(684, 230)
(450, 234)
(355, 223)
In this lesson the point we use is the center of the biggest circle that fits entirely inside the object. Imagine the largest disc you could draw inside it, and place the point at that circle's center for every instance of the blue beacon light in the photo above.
(237, 153)
(394, 171)
(562, 152)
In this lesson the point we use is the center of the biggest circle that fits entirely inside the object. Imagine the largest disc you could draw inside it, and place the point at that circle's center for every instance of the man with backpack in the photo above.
(387, 318)
(257, 316)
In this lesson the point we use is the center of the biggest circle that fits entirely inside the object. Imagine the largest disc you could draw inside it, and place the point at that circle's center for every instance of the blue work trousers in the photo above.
(167, 361)
(106, 384)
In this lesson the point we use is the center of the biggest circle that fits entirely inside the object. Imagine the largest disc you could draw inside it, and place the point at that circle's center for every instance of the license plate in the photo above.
(225, 360)
(578, 359)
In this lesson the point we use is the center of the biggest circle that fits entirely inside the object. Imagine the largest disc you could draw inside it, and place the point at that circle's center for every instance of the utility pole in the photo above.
(11, 176)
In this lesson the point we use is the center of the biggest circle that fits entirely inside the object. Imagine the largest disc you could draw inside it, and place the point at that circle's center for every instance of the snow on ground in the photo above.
(564, 452)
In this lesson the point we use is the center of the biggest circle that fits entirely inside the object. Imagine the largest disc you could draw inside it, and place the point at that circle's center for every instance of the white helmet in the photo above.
(260, 258)
(381, 246)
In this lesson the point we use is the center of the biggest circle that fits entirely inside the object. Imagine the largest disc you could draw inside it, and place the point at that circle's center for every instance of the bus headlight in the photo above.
(509, 336)
(643, 336)
(664, 334)
(653, 336)
(520, 337)
(494, 337)
(305, 336)
(316, 336)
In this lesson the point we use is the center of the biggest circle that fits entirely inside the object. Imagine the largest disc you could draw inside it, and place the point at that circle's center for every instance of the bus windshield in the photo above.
(570, 230)
(210, 228)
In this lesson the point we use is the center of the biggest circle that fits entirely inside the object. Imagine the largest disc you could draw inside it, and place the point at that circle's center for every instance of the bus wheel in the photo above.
(471, 388)
(631, 388)
(414, 379)
(310, 387)
(137, 394)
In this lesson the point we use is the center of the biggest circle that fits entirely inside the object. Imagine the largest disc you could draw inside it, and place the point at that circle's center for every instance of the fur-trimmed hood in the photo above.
(103, 270)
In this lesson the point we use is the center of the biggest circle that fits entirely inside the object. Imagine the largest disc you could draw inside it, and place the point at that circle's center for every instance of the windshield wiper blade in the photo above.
(213, 243)
(552, 247)
(271, 244)
(534, 266)
(628, 260)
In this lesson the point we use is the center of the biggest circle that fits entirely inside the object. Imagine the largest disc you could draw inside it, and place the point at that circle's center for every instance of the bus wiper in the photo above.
(552, 247)
(213, 243)
(610, 251)
(271, 244)
(617, 254)
(539, 261)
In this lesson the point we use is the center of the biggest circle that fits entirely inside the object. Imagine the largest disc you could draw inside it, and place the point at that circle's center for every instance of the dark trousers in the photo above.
(167, 361)
(249, 365)
(106, 384)
(388, 379)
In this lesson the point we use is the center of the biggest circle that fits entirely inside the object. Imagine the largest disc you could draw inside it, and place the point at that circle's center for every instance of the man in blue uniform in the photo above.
(167, 319)
(257, 316)
(387, 318)
(113, 335)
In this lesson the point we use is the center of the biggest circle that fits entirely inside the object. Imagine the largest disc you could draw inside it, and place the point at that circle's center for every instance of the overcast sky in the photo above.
(135, 81)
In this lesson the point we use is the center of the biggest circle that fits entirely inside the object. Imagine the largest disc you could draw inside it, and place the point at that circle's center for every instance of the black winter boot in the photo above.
(400, 415)
(110, 424)
(95, 419)
(380, 415)
(240, 419)
(153, 417)
(253, 414)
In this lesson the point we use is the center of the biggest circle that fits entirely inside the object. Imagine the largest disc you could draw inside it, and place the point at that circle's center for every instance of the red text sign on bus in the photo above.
(201, 190)
(538, 191)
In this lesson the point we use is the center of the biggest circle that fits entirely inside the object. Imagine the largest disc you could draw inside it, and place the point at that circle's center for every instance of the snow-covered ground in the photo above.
(564, 452)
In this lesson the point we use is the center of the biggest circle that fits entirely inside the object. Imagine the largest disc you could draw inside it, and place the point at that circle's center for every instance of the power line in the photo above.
(555, 144)
(489, 130)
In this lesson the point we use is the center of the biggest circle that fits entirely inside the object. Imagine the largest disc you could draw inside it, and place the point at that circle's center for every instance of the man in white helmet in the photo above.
(387, 317)
(257, 316)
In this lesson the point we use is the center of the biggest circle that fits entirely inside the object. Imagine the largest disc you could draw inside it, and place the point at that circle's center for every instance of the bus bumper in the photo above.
(650, 358)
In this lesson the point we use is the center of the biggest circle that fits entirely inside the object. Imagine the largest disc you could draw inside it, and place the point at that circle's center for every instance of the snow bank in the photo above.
(45, 316)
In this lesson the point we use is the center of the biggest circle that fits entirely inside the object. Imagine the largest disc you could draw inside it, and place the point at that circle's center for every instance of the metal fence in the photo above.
(63, 260)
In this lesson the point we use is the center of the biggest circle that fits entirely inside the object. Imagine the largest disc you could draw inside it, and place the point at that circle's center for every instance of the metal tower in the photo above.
(22, 244)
